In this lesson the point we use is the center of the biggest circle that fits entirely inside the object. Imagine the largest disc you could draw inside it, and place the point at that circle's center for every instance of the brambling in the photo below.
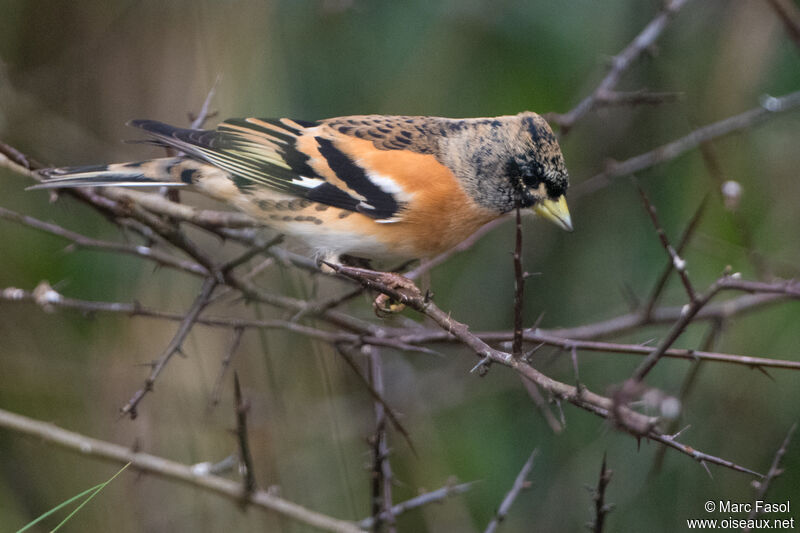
(371, 186)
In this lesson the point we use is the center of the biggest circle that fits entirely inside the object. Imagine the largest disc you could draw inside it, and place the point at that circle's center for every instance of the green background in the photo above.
(72, 74)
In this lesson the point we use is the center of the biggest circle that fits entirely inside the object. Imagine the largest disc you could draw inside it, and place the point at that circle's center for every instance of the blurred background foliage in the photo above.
(72, 74)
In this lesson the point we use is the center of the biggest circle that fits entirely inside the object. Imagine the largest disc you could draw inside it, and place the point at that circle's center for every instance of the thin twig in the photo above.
(774, 471)
(677, 261)
(601, 508)
(658, 288)
(144, 252)
(172, 348)
(377, 396)
(519, 287)
(689, 380)
(770, 106)
(159, 466)
(383, 477)
(405, 292)
(216, 392)
(520, 483)
(427, 498)
(241, 407)
(620, 64)
(205, 113)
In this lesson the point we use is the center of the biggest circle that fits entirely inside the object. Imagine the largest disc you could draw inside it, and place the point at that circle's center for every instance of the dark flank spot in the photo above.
(374, 133)
(135, 165)
(345, 214)
(345, 129)
(406, 134)
(265, 205)
(187, 175)
(317, 221)
(283, 204)
(301, 203)
(495, 123)
(409, 120)
(287, 219)
(274, 217)
(401, 141)
(384, 129)
(321, 207)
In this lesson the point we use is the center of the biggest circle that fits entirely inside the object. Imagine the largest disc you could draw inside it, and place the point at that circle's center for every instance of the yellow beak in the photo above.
(556, 211)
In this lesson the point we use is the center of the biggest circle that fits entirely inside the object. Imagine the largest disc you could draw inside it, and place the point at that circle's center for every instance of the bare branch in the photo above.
(621, 63)
(519, 288)
(383, 477)
(173, 347)
(601, 508)
(770, 106)
(151, 464)
(241, 407)
(204, 114)
(376, 396)
(404, 291)
(216, 392)
(434, 496)
(144, 252)
(677, 262)
(774, 471)
(520, 483)
(658, 288)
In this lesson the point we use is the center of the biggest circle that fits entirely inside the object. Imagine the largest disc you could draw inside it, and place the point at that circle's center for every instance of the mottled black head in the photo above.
(537, 169)
(510, 161)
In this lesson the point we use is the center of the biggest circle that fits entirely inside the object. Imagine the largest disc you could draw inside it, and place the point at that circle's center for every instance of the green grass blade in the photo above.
(88, 494)
(58, 507)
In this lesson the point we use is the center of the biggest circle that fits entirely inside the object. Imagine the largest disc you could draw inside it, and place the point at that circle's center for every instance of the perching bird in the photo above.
(372, 186)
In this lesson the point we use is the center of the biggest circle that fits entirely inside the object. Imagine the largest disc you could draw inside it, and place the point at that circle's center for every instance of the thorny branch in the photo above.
(173, 347)
(382, 475)
(161, 467)
(405, 292)
(620, 64)
(161, 221)
(601, 508)
(242, 406)
(521, 482)
(769, 107)
(774, 471)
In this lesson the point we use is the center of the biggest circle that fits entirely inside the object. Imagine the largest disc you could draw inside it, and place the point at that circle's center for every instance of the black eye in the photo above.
(513, 169)
(516, 170)
(556, 186)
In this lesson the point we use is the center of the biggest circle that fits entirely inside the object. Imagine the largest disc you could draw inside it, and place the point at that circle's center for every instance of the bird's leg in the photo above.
(384, 304)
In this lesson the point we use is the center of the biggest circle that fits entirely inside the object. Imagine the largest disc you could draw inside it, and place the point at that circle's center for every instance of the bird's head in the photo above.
(537, 171)
(512, 161)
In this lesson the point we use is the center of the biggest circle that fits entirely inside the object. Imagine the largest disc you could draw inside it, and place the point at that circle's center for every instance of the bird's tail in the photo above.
(167, 171)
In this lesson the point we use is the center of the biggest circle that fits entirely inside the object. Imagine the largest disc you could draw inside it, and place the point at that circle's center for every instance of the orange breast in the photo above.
(438, 213)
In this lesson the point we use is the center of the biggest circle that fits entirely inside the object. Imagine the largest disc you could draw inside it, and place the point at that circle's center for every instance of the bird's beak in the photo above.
(556, 211)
